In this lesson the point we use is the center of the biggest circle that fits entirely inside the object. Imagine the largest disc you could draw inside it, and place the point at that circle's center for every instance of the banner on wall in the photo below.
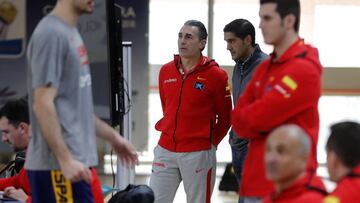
(12, 28)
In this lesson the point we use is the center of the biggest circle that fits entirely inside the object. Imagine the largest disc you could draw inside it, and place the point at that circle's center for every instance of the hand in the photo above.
(125, 151)
(14, 193)
(75, 171)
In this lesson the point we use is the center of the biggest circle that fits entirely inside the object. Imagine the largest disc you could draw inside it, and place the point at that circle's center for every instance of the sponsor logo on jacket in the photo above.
(199, 85)
(170, 80)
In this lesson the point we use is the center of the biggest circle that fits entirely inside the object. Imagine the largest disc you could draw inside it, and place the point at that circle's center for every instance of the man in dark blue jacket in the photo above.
(240, 38)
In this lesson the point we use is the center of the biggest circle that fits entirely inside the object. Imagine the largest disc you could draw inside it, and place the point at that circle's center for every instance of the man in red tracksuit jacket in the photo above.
(196, 103)
(285, 89)
(287, 150)
(343, 161)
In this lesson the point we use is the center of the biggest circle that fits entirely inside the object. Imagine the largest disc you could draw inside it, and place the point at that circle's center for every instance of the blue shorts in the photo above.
(51, 186)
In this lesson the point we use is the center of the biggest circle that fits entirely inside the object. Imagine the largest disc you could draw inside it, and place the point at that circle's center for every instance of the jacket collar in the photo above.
(296, 49)
(203, 63)
(252, 57)
(305, 183)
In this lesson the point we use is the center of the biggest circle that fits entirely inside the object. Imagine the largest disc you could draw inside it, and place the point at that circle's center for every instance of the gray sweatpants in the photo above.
(197, 170)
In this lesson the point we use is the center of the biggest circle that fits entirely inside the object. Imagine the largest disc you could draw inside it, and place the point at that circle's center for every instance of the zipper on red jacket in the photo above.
(177, 111)
(178, 108)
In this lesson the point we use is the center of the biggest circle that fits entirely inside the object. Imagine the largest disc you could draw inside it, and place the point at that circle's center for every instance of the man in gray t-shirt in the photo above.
(63, 147)
(66, 69)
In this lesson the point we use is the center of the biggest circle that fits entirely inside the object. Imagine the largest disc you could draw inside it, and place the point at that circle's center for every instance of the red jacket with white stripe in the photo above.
(285, 91)
(196, 106)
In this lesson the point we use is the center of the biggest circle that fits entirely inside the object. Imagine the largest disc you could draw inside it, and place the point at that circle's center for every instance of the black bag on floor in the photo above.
(228, 181)
(134, 194)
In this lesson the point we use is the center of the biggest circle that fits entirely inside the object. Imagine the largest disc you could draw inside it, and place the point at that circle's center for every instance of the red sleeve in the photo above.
(295, 90)
(161, 90)
(266, 199)
(162, 99)
(223, 109)
(16, 181)
(20, 180)
(11, 181)
(246, 98)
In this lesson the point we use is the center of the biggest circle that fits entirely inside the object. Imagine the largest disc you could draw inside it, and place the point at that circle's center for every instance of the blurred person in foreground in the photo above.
(287, 151)
(285, 89)
(62, 152)
(343, 162)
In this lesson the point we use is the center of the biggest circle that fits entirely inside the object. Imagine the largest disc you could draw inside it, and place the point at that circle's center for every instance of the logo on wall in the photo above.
(12, 28)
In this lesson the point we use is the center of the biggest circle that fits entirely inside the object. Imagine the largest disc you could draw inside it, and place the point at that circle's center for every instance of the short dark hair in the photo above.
(16, 111)
(286, 7)
(344, 140)
(241, 28)
(200, 26)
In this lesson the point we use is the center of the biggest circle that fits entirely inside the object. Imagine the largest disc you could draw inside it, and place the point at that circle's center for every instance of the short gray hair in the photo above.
(200, 26)
(298, 133)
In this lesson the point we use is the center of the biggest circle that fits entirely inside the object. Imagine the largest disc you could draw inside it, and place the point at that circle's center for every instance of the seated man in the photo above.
(287, 153)
(343, 162)
(14, 127)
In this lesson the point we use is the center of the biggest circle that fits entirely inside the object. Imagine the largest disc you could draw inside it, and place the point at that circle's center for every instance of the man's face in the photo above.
(271, 24)
(189, 43)
(283, 160)
(83, 6)
(237, 47)
(13, 136)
